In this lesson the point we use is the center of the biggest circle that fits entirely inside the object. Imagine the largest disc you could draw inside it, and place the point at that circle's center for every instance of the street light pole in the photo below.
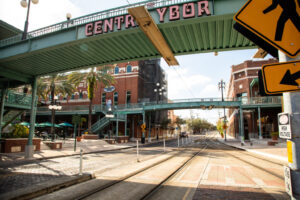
(53, 107)
(24, 4)
(222, 86)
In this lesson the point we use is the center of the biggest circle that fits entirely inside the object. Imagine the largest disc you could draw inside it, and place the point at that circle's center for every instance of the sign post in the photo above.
(275, 25)
(289, 128)
(75, 120)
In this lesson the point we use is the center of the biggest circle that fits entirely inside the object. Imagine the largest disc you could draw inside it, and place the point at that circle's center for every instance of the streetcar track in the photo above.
(254, 165)
(153, 190)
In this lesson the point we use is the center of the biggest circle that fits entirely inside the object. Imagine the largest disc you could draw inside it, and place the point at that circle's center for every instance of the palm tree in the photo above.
(94, 77)
(58, 83)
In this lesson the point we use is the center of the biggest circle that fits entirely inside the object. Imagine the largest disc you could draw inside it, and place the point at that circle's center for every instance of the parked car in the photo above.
(184, 134)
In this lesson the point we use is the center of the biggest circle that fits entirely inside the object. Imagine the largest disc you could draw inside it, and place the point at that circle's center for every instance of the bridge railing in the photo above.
(90, 18)
(15, 98)
(261, 100)
(67, 108)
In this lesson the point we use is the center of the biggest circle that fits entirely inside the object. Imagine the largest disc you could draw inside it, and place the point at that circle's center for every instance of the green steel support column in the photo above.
(259, 124)
(117, 126)
(125, 124)
(29, 146)
(242, 126)
(149, 134)
(2, 101)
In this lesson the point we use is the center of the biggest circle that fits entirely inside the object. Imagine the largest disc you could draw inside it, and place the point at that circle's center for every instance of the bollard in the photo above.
(137, 151)
(164, 145)
(80, 163)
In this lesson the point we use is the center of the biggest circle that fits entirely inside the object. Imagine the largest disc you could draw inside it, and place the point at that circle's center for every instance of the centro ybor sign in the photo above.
(170, 13)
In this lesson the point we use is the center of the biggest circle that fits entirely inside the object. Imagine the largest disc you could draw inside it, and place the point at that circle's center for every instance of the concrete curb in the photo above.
(45, 188)
(282, 159)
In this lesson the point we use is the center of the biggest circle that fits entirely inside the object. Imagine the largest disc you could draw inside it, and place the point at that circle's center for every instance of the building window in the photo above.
(80, 95)
(116, 70)
(128, 97)
(103, 99)
(116, 98)
(73, 96)
(129, 68)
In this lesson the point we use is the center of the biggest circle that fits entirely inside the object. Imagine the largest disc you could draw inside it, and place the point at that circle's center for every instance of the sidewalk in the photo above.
(24, 178)
(260, 147)
(87, 145)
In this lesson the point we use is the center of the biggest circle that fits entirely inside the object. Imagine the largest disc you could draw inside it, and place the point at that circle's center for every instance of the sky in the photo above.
(197, 76)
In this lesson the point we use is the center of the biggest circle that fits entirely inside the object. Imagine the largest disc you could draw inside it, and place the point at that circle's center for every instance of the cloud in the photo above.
(45, 13)
(181, 83)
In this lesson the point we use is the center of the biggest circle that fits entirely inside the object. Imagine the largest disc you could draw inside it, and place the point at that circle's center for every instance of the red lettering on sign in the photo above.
(118, 21)
(98, 28)
(108, 25)
(129, 21)
(188, 10)
(203, 7)
(174, 13)
(89, 29)
(161, 12)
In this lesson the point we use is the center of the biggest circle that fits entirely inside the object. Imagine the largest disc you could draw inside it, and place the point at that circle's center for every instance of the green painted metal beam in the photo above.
(67, 49)
(13, 75)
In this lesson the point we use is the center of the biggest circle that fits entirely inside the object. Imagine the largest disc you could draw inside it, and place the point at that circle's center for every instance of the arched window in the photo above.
(116, 98)
(129, 68)
(80, 95)
(116, 70)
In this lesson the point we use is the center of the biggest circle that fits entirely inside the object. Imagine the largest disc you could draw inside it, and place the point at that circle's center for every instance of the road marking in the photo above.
(186, 194)
(258, 181)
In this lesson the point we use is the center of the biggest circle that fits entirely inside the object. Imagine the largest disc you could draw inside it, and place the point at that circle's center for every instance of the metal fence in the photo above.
(261, 100)
(15, 98)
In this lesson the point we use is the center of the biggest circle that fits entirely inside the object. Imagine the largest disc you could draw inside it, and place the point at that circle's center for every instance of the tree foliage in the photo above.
(198, 125)
(165, 123)
(179, 121)
(220, 124)
(93, 78)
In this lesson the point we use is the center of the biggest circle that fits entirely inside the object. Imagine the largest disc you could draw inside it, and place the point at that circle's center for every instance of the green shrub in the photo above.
(19, 131)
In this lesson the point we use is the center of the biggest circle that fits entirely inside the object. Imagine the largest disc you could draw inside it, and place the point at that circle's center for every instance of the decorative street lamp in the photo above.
(53, 107)
(24, 4)
(221, 85)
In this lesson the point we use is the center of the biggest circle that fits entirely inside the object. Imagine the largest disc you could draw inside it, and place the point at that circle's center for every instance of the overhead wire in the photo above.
(184, 82)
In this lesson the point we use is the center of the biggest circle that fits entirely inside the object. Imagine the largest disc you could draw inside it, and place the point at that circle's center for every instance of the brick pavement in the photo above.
(17, 173)
(39, 171)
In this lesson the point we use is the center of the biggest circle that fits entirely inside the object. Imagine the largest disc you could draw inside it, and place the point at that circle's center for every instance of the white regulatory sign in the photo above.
(287, 180)
(284, 123)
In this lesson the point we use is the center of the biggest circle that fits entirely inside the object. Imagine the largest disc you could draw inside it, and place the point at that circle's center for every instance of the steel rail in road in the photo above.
(174, 172)
(217, 145)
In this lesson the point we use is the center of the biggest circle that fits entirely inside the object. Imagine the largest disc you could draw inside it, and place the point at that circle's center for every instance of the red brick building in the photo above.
(244, 84)
(135, 82)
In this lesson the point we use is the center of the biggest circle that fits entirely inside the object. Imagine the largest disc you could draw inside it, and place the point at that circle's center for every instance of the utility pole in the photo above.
(292, 107)
(221, 87)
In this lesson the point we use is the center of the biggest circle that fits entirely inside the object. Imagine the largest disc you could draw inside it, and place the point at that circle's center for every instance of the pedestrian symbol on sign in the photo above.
(289, 12)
